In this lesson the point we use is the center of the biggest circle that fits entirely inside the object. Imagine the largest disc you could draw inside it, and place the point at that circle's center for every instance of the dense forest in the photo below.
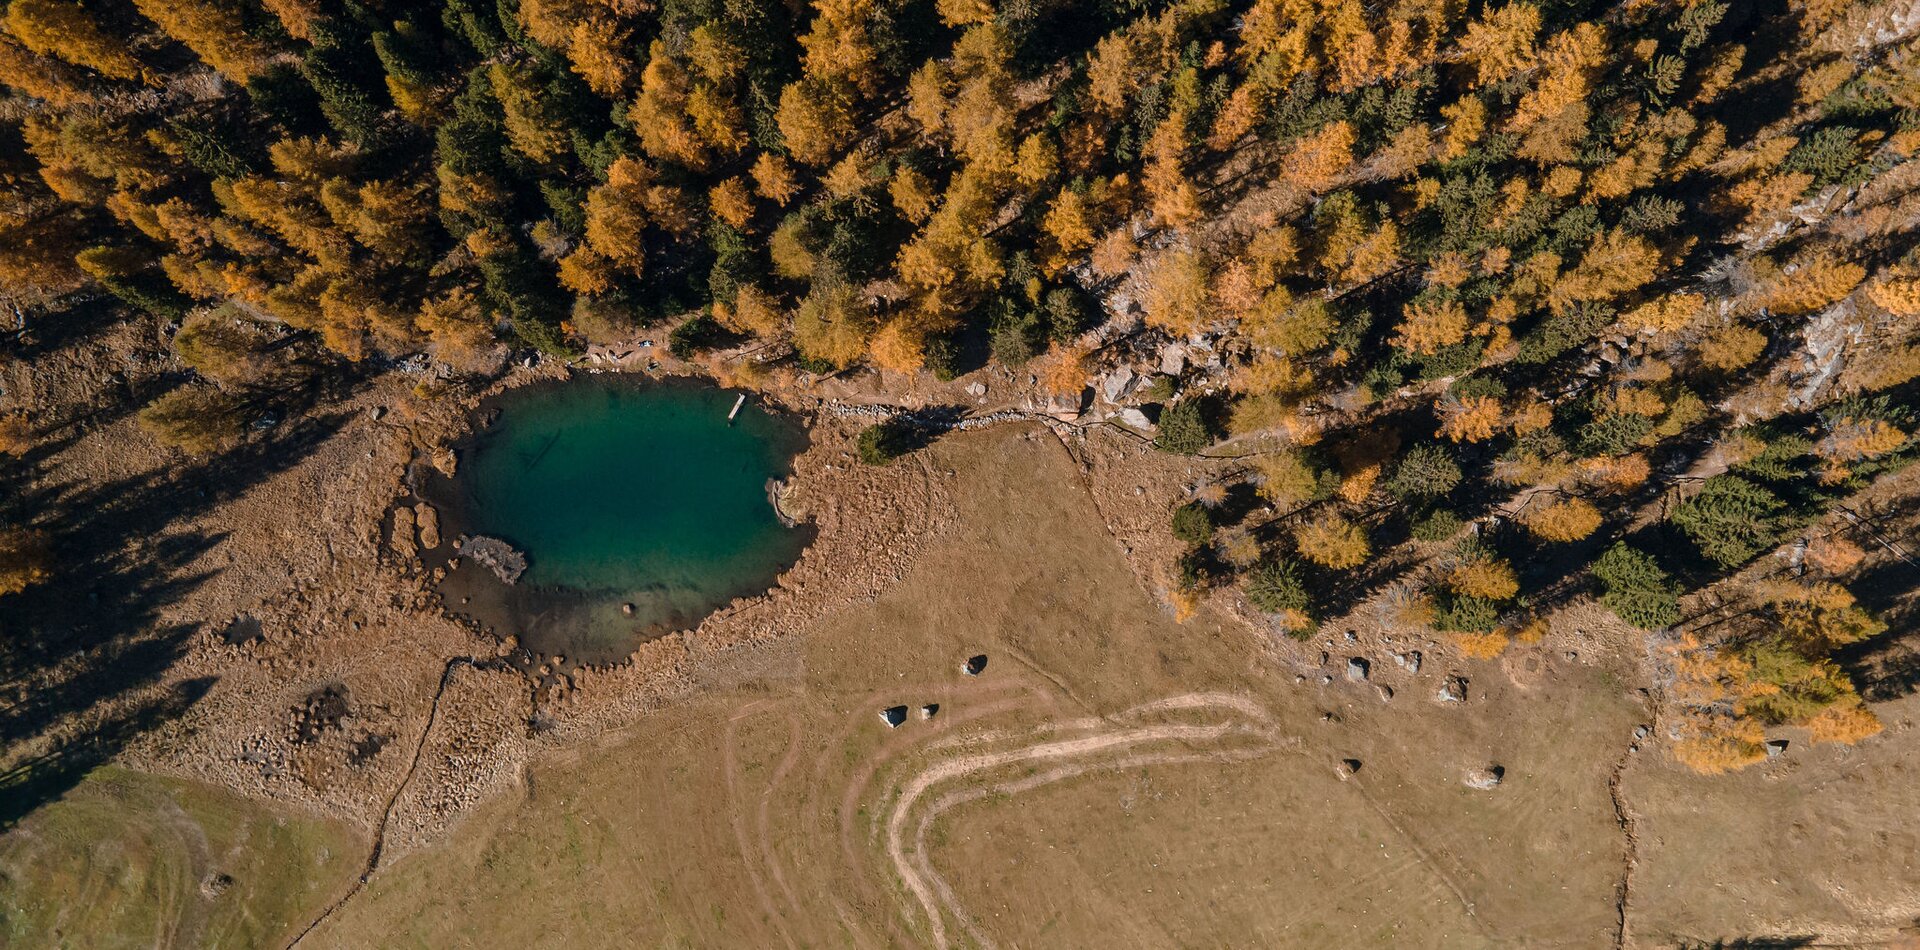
(1599, 261)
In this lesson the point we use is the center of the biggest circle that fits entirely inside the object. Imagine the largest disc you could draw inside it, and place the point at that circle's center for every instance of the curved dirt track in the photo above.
(1072, 756)
(1010, 738)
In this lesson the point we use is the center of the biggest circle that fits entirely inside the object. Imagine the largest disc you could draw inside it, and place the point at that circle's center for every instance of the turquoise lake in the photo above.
(620, 493)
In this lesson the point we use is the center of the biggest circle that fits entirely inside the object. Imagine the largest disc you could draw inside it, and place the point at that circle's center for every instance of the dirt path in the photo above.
(1624, 815)
(386, 811)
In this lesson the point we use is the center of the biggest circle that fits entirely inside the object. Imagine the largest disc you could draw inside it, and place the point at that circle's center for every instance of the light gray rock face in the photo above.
(1173, 359)
(493, 554)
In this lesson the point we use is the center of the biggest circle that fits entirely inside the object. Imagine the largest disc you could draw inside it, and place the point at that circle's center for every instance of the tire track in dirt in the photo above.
(1016, 786)
(853, 792)
(1427, 860)
(764, 815)
(825, 807)
(751, 848)
(935, 898)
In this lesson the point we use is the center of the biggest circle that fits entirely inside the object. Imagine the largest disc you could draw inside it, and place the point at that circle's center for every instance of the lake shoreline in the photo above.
(522, 616)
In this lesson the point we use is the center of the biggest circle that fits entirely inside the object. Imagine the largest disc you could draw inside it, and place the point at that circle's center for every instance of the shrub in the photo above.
(1459, 613)
(1732, 520)
(1562, 332)
(1828, 154)
(1483, 577)
(1275, 587)
(1567, 520)
(1635, 588)
(1614, 433)
(1428, 471)
(1195, 569)
(1193, 523)
(942, 354)
(883, 442)
(1184, 428)
(1014, 334)
(1067, 312)
(1477, 387)
(1438, 525)
(1333, 541)
(196, 419)
(1289, 479)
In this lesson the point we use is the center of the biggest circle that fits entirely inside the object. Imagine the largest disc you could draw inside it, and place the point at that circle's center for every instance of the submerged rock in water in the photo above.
(493, 554)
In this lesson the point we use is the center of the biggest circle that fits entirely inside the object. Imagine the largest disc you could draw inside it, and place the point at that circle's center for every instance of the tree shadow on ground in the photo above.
(27, 784)
(1787, 942)
(1887, 667)
(81, 655)
(919, 428)
(50, 332)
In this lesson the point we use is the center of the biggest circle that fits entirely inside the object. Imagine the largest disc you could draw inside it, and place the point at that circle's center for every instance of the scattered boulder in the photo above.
(1409, 661)
(1640, 732)
(1775, 747)
(1173, 359)
(214, 885)
(893, 716)
(976, 390)
(1385, 691)
(1489, 777)
(1346, 768)
(929, 710)
(1135, 419)
(1452, 690)
(1116, 385)
(1358, 668)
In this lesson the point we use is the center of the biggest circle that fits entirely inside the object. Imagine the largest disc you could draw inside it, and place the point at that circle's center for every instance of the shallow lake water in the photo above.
(619, 492)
